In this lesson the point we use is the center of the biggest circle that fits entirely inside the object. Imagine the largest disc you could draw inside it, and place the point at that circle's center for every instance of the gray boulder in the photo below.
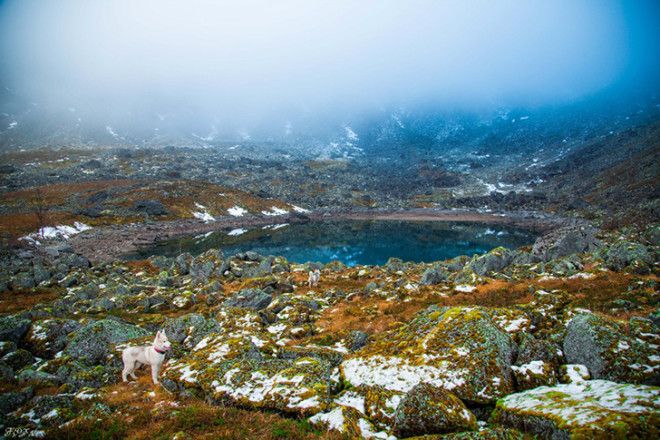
(628, 255)
(566, 241)
(434, 275)
(493, 261)
(47, 337)
(13, 328)
(190, 328)
(603, 346)
(22, 280)
(18, 359)
(14, 399)
(92, 343)
(255, 299)
(150, 207)
(427, 409)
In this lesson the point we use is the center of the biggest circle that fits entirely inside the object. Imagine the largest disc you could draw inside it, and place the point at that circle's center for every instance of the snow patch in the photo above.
(237, 211)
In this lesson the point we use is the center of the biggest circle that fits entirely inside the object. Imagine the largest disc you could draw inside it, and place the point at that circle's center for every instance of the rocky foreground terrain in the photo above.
(556, 340)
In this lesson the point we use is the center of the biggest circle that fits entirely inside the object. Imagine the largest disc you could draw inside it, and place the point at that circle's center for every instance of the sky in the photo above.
(252, 60)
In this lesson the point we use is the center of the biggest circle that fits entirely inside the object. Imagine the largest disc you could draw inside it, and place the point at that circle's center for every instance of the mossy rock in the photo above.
(534, 374)
(603, 346)
(347, 421)
(47, 337)
(13, 328)
(631, 256)
(494, 261)
(589, 409)
(189, 329)
(427, 409)
(496, 433)
(460, 349)
(91, 344)
(233, 370)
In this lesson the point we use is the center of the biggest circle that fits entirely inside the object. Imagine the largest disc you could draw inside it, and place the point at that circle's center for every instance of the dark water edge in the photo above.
(353, 242)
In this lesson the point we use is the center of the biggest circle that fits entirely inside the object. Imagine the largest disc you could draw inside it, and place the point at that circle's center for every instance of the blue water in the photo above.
(353, 242)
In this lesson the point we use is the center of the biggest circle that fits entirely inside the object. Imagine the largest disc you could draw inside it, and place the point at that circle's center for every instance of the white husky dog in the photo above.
(314, 278)
(154, 355)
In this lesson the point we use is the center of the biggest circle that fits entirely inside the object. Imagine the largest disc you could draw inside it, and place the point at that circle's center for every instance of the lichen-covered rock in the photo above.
(565, 241)
(47, 337)
(299, 387)
(189, 329)
(546, 311)
(434, 275)
(496, 433)
(37, 377)
(357, 339)
(22, 280)
(91, 343)
(347, 421)
(460, 349)
(14, 399)
(493, 261)
(47, 411)
(18, 359)
(589, 409)
(602, 345)
(534, 374)
(571, 373)
(13, 328)
(533, 349)
(427, 409)
(628, 255)
(379, 404)
(255, 299)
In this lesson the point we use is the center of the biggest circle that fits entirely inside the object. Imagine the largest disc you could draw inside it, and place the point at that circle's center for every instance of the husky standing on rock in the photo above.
(154, 355)
(314, 278)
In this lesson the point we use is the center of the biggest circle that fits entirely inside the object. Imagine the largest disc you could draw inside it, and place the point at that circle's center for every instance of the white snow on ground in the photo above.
(261, 386)
(60, 231)
(203, 213)
(274, 227)
(299, 209)
(237, 211)
(464, 288)
(274, 210)
(534, 367)
(350, 134)
(353, 399)
(512, 325)
(236, 232)
(334, 419)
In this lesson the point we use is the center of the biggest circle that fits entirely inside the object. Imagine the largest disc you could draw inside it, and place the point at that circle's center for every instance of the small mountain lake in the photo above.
(350, 241)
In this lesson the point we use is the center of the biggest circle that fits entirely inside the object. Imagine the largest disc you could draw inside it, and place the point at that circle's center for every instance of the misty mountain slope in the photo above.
(618, 173)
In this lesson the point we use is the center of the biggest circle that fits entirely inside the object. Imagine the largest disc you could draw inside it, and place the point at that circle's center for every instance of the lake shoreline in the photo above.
(109, 243)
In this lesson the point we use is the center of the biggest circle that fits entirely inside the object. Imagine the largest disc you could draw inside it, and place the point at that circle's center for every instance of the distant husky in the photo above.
(154, 355)
(314, 278)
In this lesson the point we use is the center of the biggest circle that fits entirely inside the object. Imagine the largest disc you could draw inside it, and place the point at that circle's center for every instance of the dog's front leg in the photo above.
(155, 369)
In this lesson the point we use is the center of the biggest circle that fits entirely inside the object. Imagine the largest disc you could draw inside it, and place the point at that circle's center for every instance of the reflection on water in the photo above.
(352, 242)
